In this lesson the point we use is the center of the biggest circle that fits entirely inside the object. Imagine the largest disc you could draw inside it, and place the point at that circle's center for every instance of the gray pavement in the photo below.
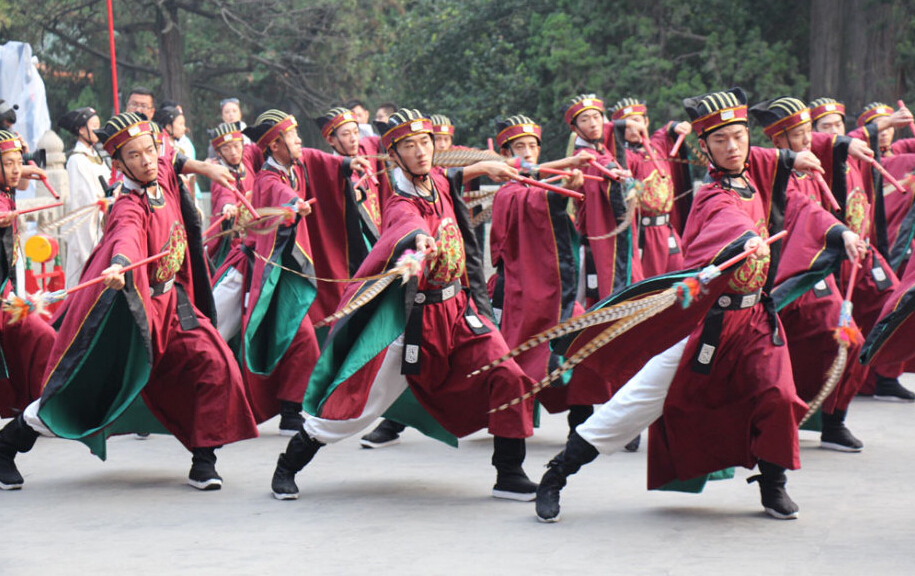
(424, 508)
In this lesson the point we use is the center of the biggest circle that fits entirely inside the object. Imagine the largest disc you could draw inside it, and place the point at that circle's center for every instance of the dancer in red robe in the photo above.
(279, 347)
(243, 161)
(25, 345)
(413, 367)
(852, 186)
(610, 261)
(138, 353)
(812, 317)
(534, 249)
(725, 396)
(660, 249)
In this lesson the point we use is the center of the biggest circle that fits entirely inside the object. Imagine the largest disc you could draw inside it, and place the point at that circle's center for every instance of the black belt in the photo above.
(711, 330)
(162, 287)
(661, 220)
(413, 332)
(738, 301)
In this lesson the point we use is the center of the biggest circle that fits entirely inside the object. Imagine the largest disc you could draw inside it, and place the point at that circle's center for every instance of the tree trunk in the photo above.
(171, 57)
(852, 52)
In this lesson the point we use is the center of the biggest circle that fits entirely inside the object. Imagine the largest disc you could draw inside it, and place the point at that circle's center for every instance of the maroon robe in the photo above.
(280, 351)
(337, 227)
(452, 345)
(660, 249)
(610, 263)
(532, 245)
(732, 401)
(25, 346)
(811, 320)
(194, 388)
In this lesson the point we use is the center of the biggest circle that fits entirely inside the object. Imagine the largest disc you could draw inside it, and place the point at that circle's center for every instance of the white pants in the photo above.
(387, 387)
(637, 404)
(30, 415)
(228, 294)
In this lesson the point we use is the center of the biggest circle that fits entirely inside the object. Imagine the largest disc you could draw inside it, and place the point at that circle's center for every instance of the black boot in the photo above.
(511, 481)
(291, 419)
(299, 452)
(578, 413)
(16, 436)
(203, 475)
(385, 434)
(890, 390)
(835, 436)
(634, 444)
(577, 453)
(775, 499)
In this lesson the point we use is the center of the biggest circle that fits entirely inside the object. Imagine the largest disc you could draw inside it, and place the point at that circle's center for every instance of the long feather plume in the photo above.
(577, 323)
(74, 217)
(461, 158)
(484, 216)
(699, 154)
(600, 341)
(408, 265)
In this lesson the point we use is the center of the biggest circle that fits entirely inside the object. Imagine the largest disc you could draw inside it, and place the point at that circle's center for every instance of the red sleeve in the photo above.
(401, 213)
(270, 190)
(127, 227)
(661, 140)
(904, 146)
(252, 158)
(715, 222)
(219, 197)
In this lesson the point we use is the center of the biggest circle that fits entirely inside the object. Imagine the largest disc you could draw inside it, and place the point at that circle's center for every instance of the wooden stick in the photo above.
(128, 268)
(603, 170)
(677, 144)
(241, 196)
(368, 174)
(44, 180)
(851, 280)
(566, 173)
(550, 187)
(746, 253)
(553, 178)
(650, 151)
(214, 225)
(886, 175)
(35, 209)
(827, 193)
(911, 123)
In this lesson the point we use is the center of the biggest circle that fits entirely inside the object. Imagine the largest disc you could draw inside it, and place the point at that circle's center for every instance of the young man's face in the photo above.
(443, 142)
(831, 124)
(231, 152)
(885, 137)
(728, 147)
(231, 112)
(590, 125)
(12, 169)
(345, 139)
(139, 159)
(287, 147)
(415, 152)
(525, 147)
(797, 139)
(631, 135)
(141, 103)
